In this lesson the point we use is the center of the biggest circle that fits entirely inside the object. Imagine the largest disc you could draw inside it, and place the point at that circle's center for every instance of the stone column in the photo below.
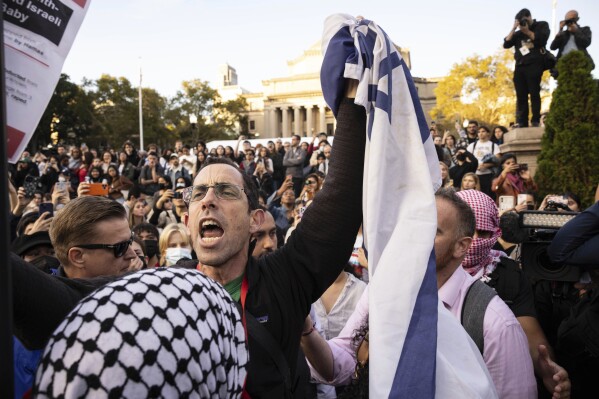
(525, 143)
(266, 123)
(285, 113)
(274, 123)
(297, 123)
(323, 122)
(309, 125)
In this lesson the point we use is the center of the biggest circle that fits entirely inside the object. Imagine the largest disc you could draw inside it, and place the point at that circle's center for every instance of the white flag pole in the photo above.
(141, 123)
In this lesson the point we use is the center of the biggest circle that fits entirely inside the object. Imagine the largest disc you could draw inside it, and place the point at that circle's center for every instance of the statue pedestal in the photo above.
(525, 143)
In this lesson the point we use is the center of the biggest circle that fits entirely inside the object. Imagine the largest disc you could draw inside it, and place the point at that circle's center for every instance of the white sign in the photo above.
(38, 35)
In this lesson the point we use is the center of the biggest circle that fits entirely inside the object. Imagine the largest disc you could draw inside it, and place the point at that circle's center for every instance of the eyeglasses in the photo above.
(224, 191)
(119, 249)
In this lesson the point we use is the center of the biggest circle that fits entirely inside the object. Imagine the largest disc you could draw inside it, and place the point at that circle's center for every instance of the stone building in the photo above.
(294, 104)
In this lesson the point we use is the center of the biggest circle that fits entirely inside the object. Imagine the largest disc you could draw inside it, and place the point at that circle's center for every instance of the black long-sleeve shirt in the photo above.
(541, 31)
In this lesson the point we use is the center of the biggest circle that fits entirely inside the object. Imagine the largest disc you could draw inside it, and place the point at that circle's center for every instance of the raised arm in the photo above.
(323, 241)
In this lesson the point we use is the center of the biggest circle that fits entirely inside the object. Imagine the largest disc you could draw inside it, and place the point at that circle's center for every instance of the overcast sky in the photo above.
(185, 39)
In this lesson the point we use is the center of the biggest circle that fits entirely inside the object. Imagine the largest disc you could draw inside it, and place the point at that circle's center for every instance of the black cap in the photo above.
(26, 242)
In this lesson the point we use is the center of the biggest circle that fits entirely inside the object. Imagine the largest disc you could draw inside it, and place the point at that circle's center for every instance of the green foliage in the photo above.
(570, 147)
(72, 107)
(105, 112)
(115, 110)
(216, 120)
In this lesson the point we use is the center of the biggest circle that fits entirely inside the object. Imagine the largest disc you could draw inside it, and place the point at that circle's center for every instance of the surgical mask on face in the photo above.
(173, 255)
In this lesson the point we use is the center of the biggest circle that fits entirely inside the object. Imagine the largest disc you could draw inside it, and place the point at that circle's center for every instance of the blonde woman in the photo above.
(174, 244)
(470, 181)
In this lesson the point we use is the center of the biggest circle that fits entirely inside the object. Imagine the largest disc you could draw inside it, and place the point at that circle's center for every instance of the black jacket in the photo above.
(541, 30)
(282, 285)
(577, 242)
(457, 172)
(582, 38)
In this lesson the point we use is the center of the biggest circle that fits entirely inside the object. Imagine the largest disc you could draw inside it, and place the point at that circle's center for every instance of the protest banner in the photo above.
(38, 35)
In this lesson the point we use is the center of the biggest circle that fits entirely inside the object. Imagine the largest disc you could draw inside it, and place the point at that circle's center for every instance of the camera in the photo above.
(542, 226)
(523, 22)
(178, 195)
(571, 21)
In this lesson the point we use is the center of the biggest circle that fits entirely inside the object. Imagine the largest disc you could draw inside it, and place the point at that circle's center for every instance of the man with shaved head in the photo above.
(571, 37)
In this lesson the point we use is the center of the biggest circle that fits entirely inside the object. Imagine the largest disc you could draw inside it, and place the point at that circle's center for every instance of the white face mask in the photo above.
(174, 254)
(61, 179)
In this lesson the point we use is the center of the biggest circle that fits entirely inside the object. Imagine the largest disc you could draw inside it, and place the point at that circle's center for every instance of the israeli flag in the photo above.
(401, 175)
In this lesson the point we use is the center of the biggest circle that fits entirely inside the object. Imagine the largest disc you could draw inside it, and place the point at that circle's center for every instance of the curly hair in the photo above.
(358, 388)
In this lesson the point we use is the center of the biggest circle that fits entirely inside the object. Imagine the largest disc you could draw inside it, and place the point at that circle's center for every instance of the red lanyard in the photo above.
(244, 292)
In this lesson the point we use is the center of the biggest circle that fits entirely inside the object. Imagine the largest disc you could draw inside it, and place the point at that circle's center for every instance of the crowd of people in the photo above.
(68, 203)
(241, 272)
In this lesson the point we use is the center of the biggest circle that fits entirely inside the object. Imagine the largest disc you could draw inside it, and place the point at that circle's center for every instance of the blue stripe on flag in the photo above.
(340, 50)
(366, 42)
(419, 353)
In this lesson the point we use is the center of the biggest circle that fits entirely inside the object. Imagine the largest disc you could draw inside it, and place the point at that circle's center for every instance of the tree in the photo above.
(215, 119)
(231, 115)
(72, 107)
(154, 126)
(115, 109)
(479, 88)
(570, 147)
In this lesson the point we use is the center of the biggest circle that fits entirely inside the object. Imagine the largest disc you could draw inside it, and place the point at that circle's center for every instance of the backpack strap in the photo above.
(265, 339)
(509, 285)
(473, 311)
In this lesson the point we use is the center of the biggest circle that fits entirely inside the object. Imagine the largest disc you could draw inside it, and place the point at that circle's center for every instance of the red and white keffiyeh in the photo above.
(480, 254)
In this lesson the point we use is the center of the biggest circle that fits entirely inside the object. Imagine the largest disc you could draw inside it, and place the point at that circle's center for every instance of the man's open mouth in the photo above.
(210, 230)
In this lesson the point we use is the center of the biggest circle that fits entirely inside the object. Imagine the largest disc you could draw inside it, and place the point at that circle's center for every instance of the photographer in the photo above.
(568, 202)
(528, 37)
(574, 37)
(514, 178)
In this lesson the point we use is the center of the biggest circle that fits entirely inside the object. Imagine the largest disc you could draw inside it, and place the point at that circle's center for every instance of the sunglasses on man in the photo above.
(119, 249)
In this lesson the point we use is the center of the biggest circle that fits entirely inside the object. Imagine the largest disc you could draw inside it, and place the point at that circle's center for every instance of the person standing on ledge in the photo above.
(529, 37)
(574, 37)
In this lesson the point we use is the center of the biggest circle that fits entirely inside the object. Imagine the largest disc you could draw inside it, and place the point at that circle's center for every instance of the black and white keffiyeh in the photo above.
(168, 333)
